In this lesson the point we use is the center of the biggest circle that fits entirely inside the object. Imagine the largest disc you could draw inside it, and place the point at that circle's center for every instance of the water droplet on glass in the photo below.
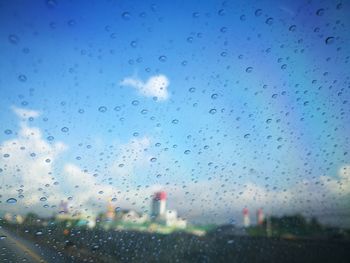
(65, 129)
(22, 78)
(50, 138)
(187, 152)
(329, 40)
(195, 15)
(175, 121)
(269, 21)
(221, 12)
(246, 136)
(71, 22)
(212, 111)
(153, 159)
(51, 3)
(192, 89)
(126, 16)
(162, 58)
(14, 39)
(43, 199)
(258, 12)
(135, 102)
(8, 132)
(11, 201)
(320, 12)
(102, 109)
(292, 28)
(249, 69)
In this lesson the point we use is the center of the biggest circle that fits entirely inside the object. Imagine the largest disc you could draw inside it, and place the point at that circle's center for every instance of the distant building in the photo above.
(172, 220)
(260, 216)
(163, 216)
(246, 219)
(158, 205)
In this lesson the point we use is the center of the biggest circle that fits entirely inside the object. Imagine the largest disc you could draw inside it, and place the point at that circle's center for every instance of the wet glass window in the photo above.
(174, 131)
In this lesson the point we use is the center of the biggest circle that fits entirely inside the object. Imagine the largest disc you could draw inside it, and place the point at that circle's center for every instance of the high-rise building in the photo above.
(159, 205)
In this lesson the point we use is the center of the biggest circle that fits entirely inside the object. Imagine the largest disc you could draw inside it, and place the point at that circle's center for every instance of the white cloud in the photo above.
(29, 173)
(25, 114)
(155, 86)
(129, 157)
(28, 164)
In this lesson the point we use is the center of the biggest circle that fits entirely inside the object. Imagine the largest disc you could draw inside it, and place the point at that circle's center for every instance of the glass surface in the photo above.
(174, 131)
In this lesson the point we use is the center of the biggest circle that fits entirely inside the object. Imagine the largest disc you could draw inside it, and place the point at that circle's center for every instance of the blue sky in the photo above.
(255, 101)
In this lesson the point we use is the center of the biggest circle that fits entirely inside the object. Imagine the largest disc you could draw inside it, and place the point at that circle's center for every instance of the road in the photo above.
(16, 249)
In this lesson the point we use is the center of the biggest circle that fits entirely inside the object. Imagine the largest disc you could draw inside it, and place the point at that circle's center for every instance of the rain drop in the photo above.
(212, 111)
(269, 21)
(135, 102)
(162, 58)
(329, 40)
(126, 16)
(8, 132)
(65, 129)
(13, 39)
(102, 109)
(292, 28)
(249, 69)
(11, 201)
(22, 78)
(258, 12)
(320, 12)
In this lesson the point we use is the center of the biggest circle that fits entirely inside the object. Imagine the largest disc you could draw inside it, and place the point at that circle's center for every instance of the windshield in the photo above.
(174, 131)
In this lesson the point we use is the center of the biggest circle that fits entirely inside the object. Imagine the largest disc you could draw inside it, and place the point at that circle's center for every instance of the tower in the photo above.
(260, 216)
(246, 219)
(110, 213)
(159, 205)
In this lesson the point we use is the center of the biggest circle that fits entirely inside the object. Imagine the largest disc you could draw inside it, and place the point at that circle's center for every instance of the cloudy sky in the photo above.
(224, 105)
